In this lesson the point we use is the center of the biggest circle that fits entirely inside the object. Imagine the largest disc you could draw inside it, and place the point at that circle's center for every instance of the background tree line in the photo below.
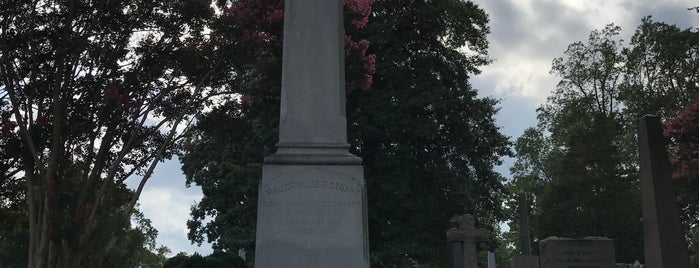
(579, 165)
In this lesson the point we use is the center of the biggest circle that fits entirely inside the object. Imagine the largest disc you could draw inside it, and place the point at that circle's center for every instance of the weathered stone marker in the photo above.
(312, 199)
(462, 242)
(592, 252)
(663, 241)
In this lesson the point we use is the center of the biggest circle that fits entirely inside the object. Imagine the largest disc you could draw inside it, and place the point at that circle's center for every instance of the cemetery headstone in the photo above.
(591, 252)
(462, 241)
(312, 208)
(663, 241)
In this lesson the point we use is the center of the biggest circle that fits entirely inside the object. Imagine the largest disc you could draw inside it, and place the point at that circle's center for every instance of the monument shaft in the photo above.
(313, 84)
(312, 209)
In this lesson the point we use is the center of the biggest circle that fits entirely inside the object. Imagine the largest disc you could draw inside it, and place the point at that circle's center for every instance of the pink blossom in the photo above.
(363, 44)
(276, 15)
(366, 85)
(42, 120)
(7, 126)
(684, 131)
(363, 10)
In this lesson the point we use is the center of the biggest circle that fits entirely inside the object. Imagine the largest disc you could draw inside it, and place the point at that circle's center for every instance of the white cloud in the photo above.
(528, 34)
(166, 202)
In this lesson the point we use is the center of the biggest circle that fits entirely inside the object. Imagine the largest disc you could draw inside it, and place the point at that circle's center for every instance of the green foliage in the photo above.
(93, 93)
(216, 259)
(428, 144)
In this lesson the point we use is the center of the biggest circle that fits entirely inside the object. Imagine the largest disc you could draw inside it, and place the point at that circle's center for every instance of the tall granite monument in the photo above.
(312, 198)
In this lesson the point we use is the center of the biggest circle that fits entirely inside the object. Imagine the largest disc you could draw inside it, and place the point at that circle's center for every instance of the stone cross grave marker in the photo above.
(312, 208)
(663, 241)
(462, 242)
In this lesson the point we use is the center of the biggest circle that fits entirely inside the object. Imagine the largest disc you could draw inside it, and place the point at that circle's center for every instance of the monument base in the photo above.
(524, 261)
(312, 216)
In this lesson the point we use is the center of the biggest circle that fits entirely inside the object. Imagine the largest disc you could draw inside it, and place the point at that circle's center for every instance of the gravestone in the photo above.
(312, 200)
(524, 259)
(462, 242)
(591, 252)
(663, 241)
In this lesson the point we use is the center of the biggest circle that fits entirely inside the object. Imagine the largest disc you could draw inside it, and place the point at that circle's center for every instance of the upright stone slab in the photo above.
(663, 241)
(312, 198)
(592, 252)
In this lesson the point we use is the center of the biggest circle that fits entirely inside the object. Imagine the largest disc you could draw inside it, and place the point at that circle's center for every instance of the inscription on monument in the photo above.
(312, 217)
(577, 253)
(313, 184)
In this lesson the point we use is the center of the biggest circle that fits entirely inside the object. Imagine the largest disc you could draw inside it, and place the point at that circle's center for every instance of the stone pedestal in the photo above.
(524, 261)
(312, 216)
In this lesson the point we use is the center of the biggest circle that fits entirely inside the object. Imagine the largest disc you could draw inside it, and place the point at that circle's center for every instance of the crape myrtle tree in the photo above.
(95, 93)
(586, 167)
(683, 130)
(224, 152)
(428, 143)
(92, 92)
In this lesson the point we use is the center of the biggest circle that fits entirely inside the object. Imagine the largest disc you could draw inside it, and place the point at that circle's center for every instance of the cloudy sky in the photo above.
(526, 36)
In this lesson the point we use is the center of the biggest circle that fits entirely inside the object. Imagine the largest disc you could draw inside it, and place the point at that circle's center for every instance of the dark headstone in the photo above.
(577, 253)
(663, 240)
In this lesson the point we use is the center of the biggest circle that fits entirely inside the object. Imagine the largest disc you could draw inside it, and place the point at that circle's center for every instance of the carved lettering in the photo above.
(314, 184)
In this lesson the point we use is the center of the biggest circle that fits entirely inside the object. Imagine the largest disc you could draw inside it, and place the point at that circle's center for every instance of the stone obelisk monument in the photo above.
(312, 198)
